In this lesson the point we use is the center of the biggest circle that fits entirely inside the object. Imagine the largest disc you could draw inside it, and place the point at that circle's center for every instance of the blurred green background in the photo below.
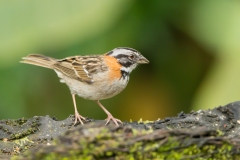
(193, 48)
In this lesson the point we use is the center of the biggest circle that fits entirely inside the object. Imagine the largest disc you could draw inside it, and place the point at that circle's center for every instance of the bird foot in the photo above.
(79, 118)
(115, 120)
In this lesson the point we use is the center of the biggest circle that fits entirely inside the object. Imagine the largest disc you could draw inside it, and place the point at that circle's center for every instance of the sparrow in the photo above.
(93, 77)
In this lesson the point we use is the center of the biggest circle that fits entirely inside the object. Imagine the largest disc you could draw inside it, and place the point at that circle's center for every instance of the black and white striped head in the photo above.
(129, 58)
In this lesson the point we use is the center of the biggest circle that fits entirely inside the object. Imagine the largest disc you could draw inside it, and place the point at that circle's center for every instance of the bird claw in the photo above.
(115, 120)
(79, 118)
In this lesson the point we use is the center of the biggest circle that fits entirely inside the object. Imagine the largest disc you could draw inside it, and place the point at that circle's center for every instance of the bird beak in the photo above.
(142, 60)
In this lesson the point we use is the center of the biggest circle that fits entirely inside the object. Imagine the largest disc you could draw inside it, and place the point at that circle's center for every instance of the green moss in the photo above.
(128, 143)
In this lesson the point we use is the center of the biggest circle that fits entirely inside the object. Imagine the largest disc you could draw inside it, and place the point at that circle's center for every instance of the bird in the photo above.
(93, 77)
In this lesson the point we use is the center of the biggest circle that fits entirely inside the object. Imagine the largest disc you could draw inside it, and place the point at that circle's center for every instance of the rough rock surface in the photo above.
(217, 128)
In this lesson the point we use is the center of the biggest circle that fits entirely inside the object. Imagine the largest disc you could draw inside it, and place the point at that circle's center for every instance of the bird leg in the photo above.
(110, 117)
(78, 117)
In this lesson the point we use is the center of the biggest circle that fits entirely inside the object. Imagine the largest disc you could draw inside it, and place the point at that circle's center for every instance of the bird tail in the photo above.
(39, 60)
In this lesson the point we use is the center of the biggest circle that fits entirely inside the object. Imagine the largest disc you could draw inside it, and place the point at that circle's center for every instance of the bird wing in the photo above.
(80, 67)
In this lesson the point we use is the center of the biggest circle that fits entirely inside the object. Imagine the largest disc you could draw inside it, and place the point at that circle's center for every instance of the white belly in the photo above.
(98, 90)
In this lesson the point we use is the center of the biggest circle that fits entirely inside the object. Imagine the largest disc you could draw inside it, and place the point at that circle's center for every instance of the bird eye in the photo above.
(131, 57)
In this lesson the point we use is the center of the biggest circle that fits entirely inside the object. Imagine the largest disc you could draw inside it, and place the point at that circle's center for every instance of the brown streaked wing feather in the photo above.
(80, 67)
(80, 71)
(66, 70)
(86, 66)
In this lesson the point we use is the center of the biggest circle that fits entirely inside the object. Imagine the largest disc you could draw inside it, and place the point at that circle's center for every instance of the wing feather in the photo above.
(81, 67)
